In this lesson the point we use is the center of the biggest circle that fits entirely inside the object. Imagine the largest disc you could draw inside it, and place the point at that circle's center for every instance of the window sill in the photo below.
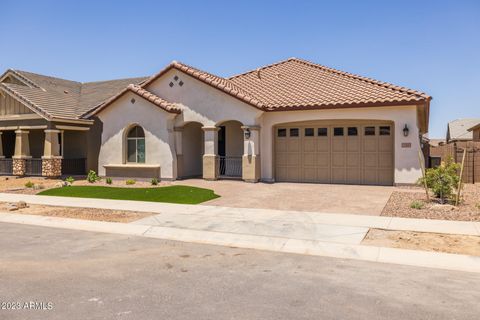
(132, 165)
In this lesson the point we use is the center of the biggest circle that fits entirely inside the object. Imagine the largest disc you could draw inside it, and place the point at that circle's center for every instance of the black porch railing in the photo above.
(74, 166)
(6, 166)
(230, 167)
(33, 167)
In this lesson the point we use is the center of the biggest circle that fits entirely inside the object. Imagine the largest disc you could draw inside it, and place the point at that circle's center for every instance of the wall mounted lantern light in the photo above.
(405, 130)
(247, 133)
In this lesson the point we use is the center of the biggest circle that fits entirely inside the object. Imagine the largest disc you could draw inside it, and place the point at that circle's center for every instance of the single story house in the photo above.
(291, 121)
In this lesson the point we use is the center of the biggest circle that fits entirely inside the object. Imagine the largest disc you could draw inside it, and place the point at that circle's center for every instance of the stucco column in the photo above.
(1, 146)
(210, 157)
(179, 150)
(22, 152)
(251, 154)
(51, 159)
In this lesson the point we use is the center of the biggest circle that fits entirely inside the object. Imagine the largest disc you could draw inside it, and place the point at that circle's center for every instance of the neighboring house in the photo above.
(475, 130)
(290, 121)
(458, 130)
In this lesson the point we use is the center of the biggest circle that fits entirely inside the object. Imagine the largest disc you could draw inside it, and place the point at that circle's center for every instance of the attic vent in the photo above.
(175, 78)
(180, 83)
(170, 84)
(132, 101)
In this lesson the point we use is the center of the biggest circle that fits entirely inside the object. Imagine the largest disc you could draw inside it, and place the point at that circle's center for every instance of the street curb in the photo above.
(416, 258)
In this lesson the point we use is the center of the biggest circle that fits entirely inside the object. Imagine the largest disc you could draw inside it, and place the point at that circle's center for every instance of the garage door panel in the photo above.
(323, 175)
(353, 144)
(338, 145)
(323, 144)
(353, 160)
(309, 159)
(293, 145)
(310, 174)
(353, 176)
(281, 145)
(323, 159)
(309, 145)
(369, 144)
(385, 160)
(336, 152)
(338, 175)
(338, 159)
(293, 159)
(293, 174)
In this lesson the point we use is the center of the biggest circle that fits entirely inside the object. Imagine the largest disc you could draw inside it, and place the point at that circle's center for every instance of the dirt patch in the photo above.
(80, 213)
(399, 205)
(449, 243)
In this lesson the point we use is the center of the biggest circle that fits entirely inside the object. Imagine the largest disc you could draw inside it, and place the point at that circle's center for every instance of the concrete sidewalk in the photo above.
(185, 215)
(270, 243)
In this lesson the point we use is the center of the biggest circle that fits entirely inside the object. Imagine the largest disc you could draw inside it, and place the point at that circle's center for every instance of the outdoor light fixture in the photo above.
(247, 133)
(405, 130)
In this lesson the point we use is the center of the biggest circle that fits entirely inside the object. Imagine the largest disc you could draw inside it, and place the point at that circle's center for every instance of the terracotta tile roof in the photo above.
(156, 100)
(220, 83)
(299, 84)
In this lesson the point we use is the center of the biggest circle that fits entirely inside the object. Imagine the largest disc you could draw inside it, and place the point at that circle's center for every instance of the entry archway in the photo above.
(230, 149)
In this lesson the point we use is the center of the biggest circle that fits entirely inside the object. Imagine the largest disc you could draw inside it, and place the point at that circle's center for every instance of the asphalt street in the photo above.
(48, 273)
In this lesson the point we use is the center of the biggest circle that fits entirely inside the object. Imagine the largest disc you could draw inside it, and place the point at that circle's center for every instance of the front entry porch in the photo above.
(228, 150)
(40, 151)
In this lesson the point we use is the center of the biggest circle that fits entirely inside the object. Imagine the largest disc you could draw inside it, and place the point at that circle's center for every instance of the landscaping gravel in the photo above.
(400, 201)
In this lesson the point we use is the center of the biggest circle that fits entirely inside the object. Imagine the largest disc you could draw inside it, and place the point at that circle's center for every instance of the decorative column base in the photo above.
(19, 166)
(52, 167)
(251, 168)
(210, 167)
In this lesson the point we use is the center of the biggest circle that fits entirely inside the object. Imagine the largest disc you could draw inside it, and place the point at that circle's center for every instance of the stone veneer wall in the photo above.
(52, 167)
(19, 167)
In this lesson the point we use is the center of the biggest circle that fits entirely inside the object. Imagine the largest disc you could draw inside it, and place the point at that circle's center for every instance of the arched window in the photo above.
(136, 145)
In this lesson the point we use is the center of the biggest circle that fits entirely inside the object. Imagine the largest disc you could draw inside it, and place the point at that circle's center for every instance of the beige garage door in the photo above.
(348, 152)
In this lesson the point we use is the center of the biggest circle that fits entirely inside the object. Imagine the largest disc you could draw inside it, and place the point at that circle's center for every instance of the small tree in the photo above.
(443, 180)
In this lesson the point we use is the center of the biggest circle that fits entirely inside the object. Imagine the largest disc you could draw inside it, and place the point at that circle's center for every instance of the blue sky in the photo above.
(432, 46)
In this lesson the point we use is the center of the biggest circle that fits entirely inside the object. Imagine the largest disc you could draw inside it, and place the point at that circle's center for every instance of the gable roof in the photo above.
(139, 91)
(475, 127)
(298, 84)
(217, 82)
(54, 97)
(459, 129)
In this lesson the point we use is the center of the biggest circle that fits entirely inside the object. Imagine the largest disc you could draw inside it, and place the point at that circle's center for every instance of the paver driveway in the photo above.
(333, 198)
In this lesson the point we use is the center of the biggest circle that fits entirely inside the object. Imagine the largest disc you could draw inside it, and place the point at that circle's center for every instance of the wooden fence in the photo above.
(471, 171)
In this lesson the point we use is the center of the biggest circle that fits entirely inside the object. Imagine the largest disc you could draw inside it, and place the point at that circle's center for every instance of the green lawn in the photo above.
(171, 194)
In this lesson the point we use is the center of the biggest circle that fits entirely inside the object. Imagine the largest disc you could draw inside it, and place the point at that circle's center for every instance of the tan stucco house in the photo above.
(290, 121)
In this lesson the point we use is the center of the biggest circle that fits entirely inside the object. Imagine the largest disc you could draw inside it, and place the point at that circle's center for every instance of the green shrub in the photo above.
(154, 181)
(70, 180)
(92, 176)
(29, 184)
(417, 205)
(108, 180)
(130, 182)
(442, 180)
(477, 205)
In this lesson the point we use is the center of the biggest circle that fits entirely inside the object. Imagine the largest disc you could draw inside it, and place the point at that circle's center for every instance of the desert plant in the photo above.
(477, 205)
(442, 180)
(29, 184)
(417, 205)
(70, 180)
(108, 180)
(154, 181)
(130, 182)
(92, 176)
